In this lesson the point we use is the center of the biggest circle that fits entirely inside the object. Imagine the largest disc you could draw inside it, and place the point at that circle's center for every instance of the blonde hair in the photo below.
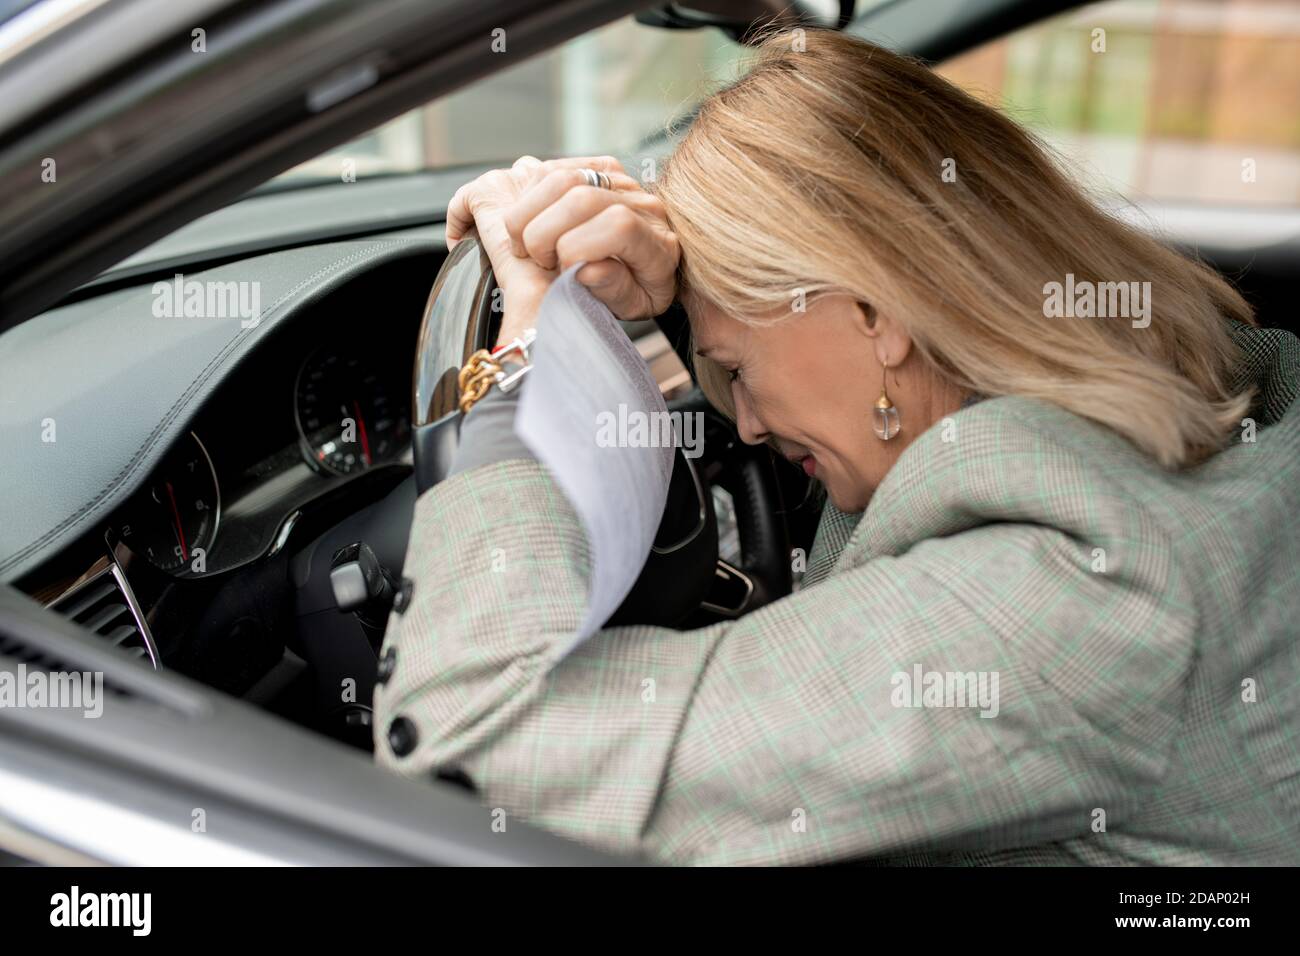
(820, 171)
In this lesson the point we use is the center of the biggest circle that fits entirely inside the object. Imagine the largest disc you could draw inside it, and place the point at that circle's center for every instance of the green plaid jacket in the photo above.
(1143, 627)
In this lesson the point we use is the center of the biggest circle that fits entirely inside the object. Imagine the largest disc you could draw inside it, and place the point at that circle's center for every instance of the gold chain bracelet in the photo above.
(485, 368)
(476, 378)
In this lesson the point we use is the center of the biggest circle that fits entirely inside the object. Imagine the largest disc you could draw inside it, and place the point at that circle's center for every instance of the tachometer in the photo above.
(173, 521)
(346, 415)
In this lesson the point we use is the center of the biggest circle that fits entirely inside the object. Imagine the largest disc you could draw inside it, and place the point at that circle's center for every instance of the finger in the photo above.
(468, 201)
(549, 190)
(618, 177)
(546, 191)
(526, 171)
(575, 207)
(459, 219)
(612, 283)
(649, 254)
(619, 232)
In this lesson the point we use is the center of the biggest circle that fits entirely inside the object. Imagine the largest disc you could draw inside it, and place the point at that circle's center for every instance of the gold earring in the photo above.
(884, 416)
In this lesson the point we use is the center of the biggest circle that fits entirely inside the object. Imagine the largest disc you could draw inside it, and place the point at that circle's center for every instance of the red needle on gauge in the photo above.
(176, 514)
(361, 428)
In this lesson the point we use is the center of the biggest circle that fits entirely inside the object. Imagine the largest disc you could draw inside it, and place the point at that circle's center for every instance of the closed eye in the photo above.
(732, 373)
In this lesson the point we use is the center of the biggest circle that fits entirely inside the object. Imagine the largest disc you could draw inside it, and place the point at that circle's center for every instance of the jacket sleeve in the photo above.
(799, 733)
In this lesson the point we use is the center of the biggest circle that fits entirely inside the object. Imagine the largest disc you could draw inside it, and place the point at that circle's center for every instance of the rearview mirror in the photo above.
(743, 19)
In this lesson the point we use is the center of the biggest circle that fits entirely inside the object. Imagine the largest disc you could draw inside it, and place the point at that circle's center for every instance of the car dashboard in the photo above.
(306, 416)
(232, 479)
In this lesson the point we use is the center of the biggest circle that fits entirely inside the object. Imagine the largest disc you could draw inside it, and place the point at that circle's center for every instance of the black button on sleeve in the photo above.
(402, 737)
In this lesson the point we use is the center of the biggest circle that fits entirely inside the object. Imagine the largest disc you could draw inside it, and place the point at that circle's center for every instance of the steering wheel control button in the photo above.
(403, 599)
(387, 664)
(402, 737)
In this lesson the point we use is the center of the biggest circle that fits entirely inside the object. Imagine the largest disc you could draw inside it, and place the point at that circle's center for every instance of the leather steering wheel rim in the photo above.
(458, 320)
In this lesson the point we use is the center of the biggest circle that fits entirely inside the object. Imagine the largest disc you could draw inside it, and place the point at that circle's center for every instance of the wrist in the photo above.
(519, 312)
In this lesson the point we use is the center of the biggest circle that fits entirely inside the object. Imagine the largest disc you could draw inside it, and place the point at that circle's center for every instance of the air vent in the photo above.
(23, 654)
(105, 605)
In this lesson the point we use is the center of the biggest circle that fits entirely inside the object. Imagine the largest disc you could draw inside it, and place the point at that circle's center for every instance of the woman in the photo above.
(1050, 612)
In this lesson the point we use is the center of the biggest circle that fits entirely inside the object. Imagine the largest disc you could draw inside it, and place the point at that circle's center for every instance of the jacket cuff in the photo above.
(487, 434)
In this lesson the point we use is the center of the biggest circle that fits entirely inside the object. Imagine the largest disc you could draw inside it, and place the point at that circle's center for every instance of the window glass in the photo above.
(1193, 101)
(609, 91)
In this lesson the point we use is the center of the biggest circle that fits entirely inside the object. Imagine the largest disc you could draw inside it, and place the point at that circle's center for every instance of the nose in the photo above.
(748, 426)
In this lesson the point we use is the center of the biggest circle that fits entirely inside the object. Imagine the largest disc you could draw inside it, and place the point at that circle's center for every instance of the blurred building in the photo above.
(1190, 100)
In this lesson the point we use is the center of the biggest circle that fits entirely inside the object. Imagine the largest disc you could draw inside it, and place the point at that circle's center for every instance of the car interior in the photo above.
(231, 540)
(230, 501)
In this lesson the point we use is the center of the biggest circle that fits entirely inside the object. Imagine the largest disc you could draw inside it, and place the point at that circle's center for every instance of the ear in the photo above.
(889, 340)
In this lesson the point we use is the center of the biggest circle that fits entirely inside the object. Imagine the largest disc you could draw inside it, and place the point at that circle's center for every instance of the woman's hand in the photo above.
(480, 206)
(621, 233)
(538, 218)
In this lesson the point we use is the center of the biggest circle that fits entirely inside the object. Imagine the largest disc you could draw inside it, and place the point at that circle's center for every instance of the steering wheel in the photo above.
(683, 580)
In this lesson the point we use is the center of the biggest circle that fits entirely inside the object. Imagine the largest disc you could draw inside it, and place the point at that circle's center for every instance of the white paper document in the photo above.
(588, 382)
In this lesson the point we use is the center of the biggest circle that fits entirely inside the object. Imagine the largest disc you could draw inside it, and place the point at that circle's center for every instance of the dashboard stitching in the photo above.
(197, 383)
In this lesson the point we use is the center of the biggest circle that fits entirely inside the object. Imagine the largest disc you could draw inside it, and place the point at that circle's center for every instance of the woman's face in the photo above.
(809, 382)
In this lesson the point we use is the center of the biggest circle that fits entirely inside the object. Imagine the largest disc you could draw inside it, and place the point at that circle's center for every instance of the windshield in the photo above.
(608, 91)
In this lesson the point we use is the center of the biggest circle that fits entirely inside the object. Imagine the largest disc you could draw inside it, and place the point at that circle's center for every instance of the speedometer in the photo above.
(347, 418)
(173, 521)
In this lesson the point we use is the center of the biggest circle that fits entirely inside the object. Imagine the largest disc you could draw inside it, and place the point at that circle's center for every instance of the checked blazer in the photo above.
(1143, 626)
